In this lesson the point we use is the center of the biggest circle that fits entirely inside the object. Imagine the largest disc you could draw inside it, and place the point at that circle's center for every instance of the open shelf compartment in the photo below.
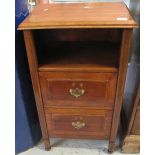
(76, 52)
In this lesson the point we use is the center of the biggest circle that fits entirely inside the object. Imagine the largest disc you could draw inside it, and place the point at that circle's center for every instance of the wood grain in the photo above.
(135, 115)
(91, 34)
(79, 56)
(136, 123)
(131, 137)
(97, 123)
(32, 59)
(101, 73)
(99, 89)
(124, 56)
(79, 15)
(131, 144)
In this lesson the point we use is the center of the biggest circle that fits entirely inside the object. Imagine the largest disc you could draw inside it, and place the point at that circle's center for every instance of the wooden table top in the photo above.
(79, 15)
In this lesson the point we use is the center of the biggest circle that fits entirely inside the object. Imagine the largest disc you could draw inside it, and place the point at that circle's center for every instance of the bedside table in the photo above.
(78, 56)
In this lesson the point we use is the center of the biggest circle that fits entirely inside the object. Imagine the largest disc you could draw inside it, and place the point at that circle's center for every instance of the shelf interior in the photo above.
(79, 56)
(78, 50)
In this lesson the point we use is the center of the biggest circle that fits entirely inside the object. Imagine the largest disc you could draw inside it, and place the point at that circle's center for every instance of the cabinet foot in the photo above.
(110, 151)
(47, 145)
(111, 147)
(48, 148)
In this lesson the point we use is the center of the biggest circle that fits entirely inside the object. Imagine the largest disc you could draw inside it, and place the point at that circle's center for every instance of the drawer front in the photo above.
(79, 123)
(78, 89)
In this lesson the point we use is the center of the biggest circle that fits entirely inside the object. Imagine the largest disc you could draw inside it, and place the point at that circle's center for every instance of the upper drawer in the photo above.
(78, 89)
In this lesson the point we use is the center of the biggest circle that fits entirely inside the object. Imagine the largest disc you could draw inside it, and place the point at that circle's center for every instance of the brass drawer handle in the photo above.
(77, 92)
(78, 125)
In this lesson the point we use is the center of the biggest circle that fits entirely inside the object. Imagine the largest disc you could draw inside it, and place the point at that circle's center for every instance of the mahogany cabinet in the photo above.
(78, 56)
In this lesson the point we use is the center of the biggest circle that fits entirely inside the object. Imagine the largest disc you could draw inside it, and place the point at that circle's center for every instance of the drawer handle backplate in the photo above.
(78, 125)
(77, 92)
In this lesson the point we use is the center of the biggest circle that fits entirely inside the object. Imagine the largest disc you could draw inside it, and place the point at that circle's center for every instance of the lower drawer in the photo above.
(75, 123)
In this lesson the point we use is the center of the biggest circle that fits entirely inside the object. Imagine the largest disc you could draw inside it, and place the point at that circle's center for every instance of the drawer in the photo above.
(73, 123)
(78, 89)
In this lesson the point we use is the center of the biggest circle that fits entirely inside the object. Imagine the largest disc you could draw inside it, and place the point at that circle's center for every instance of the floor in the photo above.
(72, 147)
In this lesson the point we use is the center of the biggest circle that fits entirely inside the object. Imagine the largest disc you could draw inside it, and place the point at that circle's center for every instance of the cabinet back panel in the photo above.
(46, 36)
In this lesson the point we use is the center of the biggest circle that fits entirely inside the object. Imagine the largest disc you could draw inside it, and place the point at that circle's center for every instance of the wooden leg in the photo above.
(123, 64)
(33, 65)
(111, 147)
(47, 144)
